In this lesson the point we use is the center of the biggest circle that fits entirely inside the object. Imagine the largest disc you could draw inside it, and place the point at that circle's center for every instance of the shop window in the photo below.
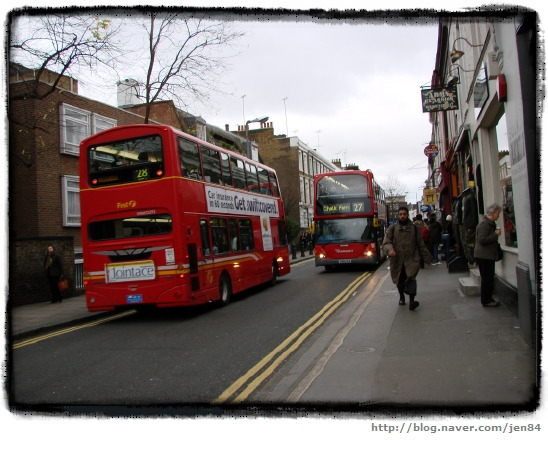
(505, 176)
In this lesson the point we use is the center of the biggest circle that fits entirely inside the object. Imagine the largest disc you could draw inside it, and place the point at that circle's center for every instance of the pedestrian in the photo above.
(404, 245)
(434, 236)
(447, 236)
(54, 273)
(419, 223)
(486, 251)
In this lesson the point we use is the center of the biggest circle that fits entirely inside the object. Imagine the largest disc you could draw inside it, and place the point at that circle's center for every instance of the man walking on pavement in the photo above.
(405, 246)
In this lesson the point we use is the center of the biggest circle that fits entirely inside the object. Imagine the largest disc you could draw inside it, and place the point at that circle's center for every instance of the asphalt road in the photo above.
(176, 357)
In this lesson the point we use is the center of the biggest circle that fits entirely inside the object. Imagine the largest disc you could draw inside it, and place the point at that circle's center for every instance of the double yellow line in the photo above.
(240, 390)
(34, 340)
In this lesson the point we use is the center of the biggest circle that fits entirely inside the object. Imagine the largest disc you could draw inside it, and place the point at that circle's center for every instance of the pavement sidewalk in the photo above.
(450, 352)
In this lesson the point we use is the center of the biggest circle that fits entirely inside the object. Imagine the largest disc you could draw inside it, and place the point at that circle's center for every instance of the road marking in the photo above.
(32, 341)
(335, 344)
(274, 359)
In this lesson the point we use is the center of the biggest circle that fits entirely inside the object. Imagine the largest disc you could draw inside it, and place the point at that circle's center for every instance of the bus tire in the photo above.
(274, 278)
(225, 290)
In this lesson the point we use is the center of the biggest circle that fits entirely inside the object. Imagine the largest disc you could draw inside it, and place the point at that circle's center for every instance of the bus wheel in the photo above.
(225, 291)
(274, 278)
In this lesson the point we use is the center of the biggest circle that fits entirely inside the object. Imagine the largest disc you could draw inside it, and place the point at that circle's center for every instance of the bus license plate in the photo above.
(134, 299)
(345, 261)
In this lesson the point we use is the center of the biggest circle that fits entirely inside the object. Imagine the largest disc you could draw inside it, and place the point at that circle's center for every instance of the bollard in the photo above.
(302, 251)
(293, 252)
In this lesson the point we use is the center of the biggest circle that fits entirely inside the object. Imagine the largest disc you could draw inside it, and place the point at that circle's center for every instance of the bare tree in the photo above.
(44, 50)
(184, 58)
(393, 187)
(394, 191)
(55, 46)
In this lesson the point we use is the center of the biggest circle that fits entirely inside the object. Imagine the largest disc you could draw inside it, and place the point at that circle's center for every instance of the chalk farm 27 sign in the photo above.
(441, 99)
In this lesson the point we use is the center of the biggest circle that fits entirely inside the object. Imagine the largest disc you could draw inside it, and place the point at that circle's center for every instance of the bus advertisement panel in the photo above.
(169, 220)
(349, 219)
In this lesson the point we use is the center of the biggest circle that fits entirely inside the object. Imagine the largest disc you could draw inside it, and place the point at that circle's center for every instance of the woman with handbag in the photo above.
(54, 272)
(486, 252)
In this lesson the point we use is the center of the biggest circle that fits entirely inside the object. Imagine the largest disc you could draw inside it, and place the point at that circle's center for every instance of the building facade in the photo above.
(486, 136)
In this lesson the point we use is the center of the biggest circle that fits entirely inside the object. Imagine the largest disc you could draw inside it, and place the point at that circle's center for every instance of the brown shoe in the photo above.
(491, 304)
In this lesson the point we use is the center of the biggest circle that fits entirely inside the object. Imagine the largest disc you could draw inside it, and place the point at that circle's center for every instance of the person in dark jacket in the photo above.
(434, 236)
(54, 272)
(404, 245)
(485, 252)
(447, 236)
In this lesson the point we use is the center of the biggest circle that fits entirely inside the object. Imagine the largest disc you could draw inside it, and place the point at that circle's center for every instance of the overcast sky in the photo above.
(352, 90)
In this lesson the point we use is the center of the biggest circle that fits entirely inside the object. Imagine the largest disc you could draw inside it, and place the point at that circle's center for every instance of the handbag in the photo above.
(62, 284)
(499, 252)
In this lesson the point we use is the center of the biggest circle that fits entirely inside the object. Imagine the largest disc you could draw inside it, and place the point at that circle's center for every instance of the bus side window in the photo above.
(246, 234)
(219, 234)
(274, 184)
(204, 233)
(263, 182)
(233, 234)
(189, 159)
(210, 163)
(227, 175)
(252, 181)
(238, 172)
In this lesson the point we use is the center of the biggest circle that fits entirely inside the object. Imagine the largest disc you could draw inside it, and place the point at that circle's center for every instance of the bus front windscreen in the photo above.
(132, 160)
(345, 230)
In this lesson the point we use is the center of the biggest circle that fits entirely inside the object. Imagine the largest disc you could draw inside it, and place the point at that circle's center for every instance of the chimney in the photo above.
(337, 162)
(227, 127)
(128, 93)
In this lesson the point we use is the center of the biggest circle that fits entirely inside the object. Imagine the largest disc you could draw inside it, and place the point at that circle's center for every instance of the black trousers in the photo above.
(487, 272)
(405, 285)
(54, 288)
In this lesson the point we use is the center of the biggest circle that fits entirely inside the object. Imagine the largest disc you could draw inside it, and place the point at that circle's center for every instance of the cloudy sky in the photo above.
(352, 88)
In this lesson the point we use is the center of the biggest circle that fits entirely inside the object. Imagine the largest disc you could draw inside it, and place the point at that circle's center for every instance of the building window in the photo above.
(70, 192)
(101, 123)
(75, 126)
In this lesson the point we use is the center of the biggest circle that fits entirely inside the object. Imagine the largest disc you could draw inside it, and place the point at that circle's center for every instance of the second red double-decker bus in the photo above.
(349, 218)
(170, 220)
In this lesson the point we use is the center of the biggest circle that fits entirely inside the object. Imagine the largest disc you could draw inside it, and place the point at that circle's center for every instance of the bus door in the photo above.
(207, 257)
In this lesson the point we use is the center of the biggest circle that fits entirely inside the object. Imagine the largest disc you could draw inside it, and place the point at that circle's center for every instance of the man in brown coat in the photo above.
(405, 246)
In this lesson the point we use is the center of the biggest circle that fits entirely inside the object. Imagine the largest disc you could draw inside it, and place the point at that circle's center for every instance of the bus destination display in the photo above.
(344, 208)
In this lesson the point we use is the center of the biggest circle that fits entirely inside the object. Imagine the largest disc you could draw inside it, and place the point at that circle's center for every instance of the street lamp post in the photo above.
(255, 120)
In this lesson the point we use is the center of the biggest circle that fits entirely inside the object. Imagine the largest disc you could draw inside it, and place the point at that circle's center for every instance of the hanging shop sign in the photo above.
(429, 196)
(431, 150)
(442, 99)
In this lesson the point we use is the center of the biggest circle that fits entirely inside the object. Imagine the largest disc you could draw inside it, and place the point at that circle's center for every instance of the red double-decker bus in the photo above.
(170, 220)
(349, 219)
